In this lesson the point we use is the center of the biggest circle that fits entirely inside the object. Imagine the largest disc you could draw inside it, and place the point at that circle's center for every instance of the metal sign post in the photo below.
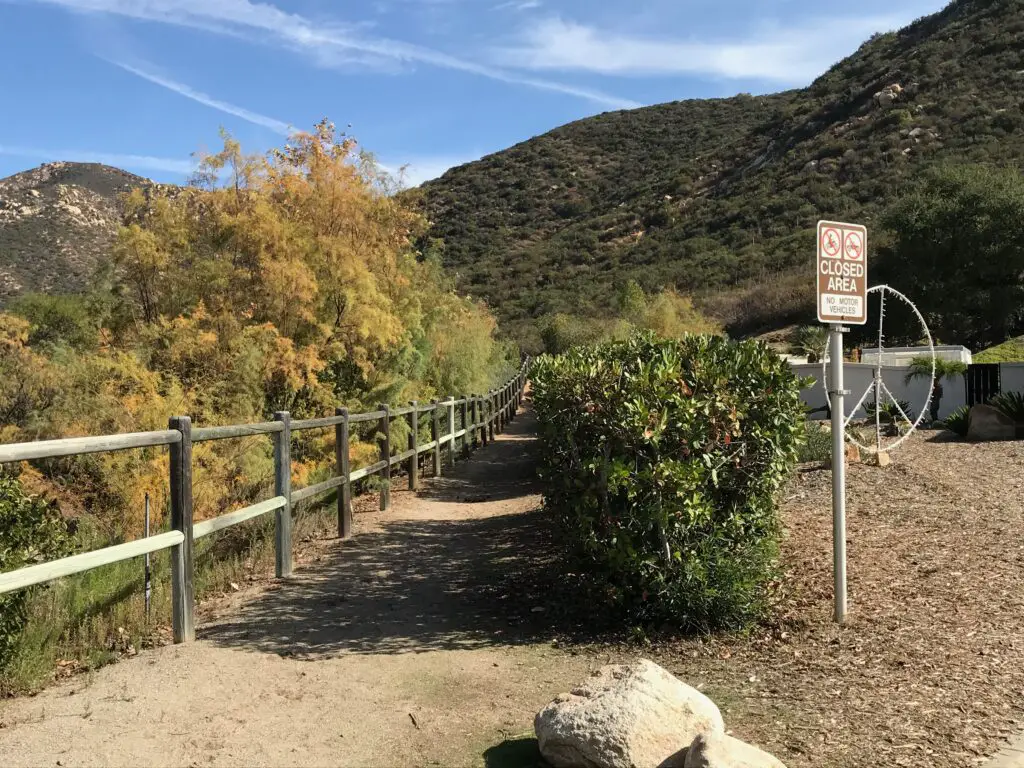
(841, 279)
(837, 394)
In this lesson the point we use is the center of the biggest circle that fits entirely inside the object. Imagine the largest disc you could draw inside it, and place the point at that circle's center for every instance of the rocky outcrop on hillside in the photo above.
(57, 222)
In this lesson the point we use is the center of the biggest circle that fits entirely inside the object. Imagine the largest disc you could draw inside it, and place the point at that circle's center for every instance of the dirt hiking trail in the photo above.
(414, 643)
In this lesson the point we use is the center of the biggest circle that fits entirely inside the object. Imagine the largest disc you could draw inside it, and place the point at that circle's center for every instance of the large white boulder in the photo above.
(635, 715)
(717, 750)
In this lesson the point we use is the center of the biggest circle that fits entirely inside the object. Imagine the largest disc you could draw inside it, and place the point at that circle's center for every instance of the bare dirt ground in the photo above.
(418, 641)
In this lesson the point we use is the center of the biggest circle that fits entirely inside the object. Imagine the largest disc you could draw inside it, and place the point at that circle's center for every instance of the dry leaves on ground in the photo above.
(929, 669)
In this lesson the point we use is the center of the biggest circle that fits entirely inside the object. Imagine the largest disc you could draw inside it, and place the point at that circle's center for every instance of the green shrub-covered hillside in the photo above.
(662, 459)
(719, 197)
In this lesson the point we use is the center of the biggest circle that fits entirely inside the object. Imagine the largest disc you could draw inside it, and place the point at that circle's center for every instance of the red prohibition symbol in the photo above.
(831, 243)
(854, 246)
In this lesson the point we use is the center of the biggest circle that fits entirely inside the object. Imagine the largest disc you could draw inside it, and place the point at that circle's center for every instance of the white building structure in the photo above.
(899, 356)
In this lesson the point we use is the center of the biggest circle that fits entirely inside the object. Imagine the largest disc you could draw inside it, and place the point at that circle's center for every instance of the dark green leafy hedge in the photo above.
(662, 459)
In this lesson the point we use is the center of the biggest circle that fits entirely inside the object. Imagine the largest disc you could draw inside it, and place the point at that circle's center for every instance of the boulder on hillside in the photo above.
(885, 98)
(717, 750)
(635, 715)
(889, 95)
(987, 423)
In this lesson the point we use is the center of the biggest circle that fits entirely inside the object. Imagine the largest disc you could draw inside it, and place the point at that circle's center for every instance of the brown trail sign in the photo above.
(842, 273)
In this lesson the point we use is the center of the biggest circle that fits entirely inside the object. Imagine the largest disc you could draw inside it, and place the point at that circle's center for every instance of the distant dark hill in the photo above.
(720, 197)
(57, 222)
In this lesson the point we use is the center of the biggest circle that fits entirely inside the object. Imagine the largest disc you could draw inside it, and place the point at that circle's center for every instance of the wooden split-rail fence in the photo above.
(481, 417)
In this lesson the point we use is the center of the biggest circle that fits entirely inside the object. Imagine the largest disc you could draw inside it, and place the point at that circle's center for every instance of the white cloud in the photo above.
(790, 54)
(141, 162)
(323, 41)
(277, 126)
(519, 5)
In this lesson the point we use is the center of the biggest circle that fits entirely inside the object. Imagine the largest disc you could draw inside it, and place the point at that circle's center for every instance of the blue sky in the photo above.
(142, 84)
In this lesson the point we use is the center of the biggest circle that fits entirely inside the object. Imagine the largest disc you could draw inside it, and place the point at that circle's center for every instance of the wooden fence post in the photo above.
(182, 561)
(342, 467)
(452, 429)
(477, 419)
(481, 430)
(496, 395)
(490, 415)
(414, 460)
(385, 455)
(283, 487)
(467, 437)
(435, 436)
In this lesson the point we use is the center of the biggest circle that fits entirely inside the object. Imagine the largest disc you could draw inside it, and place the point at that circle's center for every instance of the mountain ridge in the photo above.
(57, 224)
(719, 197)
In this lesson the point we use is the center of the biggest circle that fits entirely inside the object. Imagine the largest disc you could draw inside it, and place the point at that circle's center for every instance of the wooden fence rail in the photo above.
(480, 416)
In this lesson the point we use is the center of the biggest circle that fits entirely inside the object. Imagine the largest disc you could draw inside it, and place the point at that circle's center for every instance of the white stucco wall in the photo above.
(859, 376)
(1011, 377)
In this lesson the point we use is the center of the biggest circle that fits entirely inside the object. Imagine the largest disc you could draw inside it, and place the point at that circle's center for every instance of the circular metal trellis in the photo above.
(878, 386)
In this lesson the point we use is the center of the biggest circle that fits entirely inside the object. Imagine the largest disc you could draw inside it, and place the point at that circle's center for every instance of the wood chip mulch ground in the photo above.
(929, 669)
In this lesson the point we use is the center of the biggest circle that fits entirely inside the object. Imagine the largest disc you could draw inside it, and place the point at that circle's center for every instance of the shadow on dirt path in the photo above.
(417, 642)
(464, 563)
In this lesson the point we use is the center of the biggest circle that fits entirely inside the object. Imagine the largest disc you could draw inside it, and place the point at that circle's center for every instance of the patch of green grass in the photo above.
(1011, 351)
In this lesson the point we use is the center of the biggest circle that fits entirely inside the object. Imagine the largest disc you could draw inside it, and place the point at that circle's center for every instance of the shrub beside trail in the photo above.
(662, 459)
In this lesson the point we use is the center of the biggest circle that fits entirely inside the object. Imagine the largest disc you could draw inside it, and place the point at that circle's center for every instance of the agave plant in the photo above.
(956, 422)
(889, 413)
(1011, 404)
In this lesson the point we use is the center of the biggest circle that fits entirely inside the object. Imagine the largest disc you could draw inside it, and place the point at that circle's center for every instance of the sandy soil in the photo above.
(413, 643)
